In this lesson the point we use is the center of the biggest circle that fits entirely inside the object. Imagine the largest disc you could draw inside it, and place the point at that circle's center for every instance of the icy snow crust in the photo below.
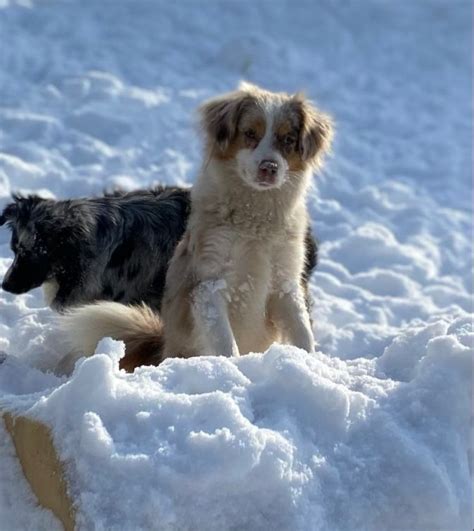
(371, 432)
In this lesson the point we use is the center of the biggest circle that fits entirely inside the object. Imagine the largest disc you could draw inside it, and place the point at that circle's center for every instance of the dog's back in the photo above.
(139, 231)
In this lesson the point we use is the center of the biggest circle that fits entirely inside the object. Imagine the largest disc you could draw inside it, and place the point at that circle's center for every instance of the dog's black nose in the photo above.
(14, 287)
(268, 167)
(7, 286)
(10, 283)
(267, 172)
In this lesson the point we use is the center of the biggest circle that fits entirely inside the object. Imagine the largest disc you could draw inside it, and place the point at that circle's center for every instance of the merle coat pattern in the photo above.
(115, 247)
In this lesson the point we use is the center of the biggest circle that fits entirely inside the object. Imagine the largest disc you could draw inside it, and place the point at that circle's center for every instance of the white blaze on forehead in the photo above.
(265, 146)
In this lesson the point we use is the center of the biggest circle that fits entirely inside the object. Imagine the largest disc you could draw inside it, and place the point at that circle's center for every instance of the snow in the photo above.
(297, 440)
(371, 432)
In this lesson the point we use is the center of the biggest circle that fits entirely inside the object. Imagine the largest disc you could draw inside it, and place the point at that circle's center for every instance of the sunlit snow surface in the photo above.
(370, 433)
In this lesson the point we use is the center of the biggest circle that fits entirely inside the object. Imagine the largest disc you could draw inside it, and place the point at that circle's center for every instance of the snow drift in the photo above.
(282, 438)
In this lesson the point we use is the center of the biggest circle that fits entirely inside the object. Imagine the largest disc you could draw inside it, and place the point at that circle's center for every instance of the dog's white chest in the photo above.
(50, 289)
(247, 278)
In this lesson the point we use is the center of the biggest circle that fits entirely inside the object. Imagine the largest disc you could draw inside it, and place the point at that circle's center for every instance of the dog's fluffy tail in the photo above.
(139, 327)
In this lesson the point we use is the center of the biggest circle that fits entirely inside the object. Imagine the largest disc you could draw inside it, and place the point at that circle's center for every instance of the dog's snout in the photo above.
(24, 275)
(268, 167)
(10, 282)
(8, 285)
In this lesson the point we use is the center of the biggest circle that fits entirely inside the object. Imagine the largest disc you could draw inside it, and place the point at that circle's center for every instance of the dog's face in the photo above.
(31, 263)
(269, 137)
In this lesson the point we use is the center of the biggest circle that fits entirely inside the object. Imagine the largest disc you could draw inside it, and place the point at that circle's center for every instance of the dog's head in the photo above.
(270, 137)
(29, 243)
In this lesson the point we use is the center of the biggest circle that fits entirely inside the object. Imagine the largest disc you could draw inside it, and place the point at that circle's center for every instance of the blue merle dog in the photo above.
(115, 247)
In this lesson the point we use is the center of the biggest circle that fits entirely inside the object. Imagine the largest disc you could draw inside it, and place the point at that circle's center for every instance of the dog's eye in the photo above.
(250, 134)
(288, 140)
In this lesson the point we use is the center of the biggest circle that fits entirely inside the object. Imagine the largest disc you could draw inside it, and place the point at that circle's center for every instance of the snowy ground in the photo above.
(371, 433)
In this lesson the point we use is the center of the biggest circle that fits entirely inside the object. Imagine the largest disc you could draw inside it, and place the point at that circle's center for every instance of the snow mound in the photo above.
(281, 437)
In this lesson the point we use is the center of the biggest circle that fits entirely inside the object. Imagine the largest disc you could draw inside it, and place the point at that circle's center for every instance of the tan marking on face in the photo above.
(250, 130)
(287, 132)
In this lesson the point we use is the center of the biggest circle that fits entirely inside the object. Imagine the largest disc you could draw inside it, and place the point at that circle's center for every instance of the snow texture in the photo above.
(372, 432)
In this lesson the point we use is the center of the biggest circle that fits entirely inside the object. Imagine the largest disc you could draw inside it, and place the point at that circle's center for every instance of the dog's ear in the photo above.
(20, 210)
(316, 131)
(25, 206)
(9, 213)
(220, 116)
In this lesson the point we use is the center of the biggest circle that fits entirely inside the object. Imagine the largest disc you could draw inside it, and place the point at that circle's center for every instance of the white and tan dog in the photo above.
(234, 284)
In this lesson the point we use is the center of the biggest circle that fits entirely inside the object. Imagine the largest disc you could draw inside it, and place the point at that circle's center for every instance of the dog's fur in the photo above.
(235, 282)
(115, 247)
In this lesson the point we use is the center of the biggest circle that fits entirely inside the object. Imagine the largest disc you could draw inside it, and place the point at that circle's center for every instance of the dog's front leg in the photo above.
(287, 309)
(212, 320)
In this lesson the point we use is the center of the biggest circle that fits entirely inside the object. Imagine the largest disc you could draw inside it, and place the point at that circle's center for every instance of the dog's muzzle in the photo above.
(12, 283)
(22, 276)
(11, 286)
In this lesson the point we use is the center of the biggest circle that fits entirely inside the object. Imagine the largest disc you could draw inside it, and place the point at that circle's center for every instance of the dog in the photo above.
(115, 247)
(235, 283)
